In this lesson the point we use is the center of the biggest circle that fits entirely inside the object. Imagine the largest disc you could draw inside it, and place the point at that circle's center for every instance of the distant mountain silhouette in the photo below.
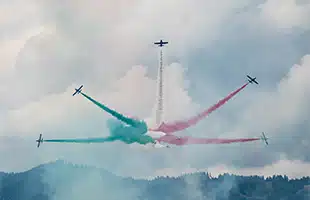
(65, 181)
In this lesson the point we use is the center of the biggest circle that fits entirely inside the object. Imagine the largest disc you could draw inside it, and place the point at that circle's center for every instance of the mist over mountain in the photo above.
(60, 180)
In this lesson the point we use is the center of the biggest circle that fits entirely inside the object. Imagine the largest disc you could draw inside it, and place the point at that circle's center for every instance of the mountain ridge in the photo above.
(63, 180)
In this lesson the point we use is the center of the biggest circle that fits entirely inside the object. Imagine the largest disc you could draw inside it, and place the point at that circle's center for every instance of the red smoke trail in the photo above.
(172, 139)
(181, 125)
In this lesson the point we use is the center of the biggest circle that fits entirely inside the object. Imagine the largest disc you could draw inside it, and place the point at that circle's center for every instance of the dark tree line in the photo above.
(32, 185)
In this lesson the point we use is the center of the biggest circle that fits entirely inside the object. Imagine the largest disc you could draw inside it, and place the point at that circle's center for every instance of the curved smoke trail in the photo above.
(127, 120)
(181, 125)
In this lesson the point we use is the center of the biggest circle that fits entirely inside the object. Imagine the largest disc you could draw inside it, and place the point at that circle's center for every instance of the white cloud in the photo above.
(10, 48)
(36, 116)
(287, 105)
(133, 95)
(108, 43)
(286, 14)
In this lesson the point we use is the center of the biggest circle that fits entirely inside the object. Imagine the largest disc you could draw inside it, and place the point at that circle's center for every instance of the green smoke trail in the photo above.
(86, 140)
(129, 121)
(128, 139)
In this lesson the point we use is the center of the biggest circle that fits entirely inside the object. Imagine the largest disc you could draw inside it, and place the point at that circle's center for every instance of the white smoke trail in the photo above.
(159, 96)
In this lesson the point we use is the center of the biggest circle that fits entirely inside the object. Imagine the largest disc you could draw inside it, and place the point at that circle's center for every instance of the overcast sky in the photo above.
(50, 47)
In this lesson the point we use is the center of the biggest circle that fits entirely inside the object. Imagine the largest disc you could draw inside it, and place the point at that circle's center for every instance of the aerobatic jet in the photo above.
(251, 80)
(264, 138)
(161, 43)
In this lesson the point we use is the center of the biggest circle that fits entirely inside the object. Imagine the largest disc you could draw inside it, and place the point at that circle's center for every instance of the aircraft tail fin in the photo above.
(78, 91)
(40, 140)
(264, 138)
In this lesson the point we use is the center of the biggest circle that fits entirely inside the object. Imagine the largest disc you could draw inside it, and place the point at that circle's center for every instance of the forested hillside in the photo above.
(60, 180)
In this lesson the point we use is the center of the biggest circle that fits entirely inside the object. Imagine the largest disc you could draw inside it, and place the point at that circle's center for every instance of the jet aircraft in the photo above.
(40, 140)
(251, 80)
(264, 138)
(161, 43)
(78, 91)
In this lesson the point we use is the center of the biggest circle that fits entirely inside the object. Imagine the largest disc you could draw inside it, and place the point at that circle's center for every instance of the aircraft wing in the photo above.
(180, 141)
(119, 116)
